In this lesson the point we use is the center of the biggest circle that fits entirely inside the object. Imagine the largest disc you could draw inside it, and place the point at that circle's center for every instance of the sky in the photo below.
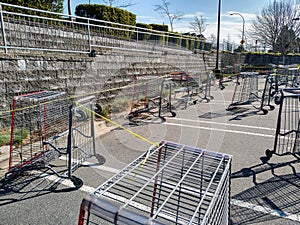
(231, 25)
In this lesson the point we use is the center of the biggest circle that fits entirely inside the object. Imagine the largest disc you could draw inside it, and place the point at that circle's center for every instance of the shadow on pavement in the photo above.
(277, 197)
(29, 185)
(237, 113)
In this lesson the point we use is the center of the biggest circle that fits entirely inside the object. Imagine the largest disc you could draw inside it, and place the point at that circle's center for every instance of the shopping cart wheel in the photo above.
(277, 100)
(265, 111)
(80, 115)
(173, 114)
(77, 181)
(272, 107)
(195, 102)
(269, 153)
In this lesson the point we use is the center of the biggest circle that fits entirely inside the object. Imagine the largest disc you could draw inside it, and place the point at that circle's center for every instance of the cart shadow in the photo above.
(267, 200)
(29, 185)
(237, 113)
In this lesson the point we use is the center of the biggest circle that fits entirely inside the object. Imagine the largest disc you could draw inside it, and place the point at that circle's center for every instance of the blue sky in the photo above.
(231, 26)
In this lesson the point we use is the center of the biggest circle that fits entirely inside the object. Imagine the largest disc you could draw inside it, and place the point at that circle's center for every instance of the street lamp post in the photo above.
(217, 71)
(243, 32)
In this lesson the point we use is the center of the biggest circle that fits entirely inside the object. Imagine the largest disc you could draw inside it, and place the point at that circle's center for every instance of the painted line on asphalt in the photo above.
(220, 130)
(225, 124)
(101, 167)
(265, 210)
(243, 204)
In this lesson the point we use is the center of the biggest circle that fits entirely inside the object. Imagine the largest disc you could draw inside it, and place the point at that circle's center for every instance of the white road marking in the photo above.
(243, 204)
(101, 167)
(225, 124)
(266, 210)
(220, 130)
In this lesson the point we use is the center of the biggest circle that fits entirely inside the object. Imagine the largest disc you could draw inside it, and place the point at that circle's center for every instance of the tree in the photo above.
(47, 5)
(116, 3)
(277, 19)
(163, 9)
(198, 25)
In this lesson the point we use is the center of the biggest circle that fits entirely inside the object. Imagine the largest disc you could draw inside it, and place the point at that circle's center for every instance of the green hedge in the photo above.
(159, 27)
(106, 13)
(50, 5)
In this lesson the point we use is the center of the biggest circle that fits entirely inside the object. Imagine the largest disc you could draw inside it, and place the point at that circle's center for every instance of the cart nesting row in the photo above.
(154, 98)
(169, 184)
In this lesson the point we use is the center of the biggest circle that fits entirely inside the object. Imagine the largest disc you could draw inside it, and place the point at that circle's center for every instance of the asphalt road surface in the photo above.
(262, 192)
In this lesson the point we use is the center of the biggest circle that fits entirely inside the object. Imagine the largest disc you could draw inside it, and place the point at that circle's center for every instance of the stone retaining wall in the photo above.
(79, 73)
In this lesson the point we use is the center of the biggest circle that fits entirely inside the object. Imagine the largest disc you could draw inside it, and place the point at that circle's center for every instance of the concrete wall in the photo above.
(79, 73)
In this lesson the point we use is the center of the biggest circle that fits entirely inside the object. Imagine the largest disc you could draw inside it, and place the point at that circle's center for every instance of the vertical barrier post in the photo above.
(89, 36)
(69, 145)
(3, 30)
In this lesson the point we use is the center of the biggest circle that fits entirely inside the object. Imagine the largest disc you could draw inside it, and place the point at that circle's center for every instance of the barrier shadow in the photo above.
(270, 200)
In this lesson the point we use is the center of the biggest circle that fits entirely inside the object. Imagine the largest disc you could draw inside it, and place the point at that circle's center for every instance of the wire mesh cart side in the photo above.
(37, 118)
(169, 184)
(81, 137)
(288, 125)
(245, 90)
(287, 76)
(46, 133)
(151, 101)
(267, 95)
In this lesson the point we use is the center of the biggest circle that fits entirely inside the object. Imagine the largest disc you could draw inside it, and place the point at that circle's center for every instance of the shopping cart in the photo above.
(287, 76)
(288, 124)
(155, 103)
(169, 184)
(190, 89)
(245, 90)
(267, 96)
(46, 133)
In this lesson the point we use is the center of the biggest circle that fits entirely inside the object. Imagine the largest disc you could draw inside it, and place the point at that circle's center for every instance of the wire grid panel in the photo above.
(149, 98)
(146, 86)
(171, 184)
(287, 131)
(246, 89)
(287, 76)
(82, 132)
(267, 94)
(37, 118)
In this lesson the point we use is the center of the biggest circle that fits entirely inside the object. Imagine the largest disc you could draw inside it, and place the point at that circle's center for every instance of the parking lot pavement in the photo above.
(262, 192)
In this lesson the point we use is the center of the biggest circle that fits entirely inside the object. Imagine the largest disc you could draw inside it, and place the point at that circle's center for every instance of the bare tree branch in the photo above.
(163, 9)
(274, 18)
(116, 3)
(198, 25)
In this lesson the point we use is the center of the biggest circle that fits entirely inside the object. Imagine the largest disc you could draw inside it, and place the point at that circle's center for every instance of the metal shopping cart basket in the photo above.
(151, 100)
(287, 76)
(46, 133)
(169, 184)
(245, 90)
(287, 137)
(267, 95)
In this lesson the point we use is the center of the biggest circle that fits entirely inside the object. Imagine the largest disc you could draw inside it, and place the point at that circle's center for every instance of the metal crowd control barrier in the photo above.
(287, 137)
(169, 184)
(48, 134)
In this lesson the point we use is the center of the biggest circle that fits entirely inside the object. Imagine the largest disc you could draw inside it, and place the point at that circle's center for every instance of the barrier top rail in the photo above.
(24, 28)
